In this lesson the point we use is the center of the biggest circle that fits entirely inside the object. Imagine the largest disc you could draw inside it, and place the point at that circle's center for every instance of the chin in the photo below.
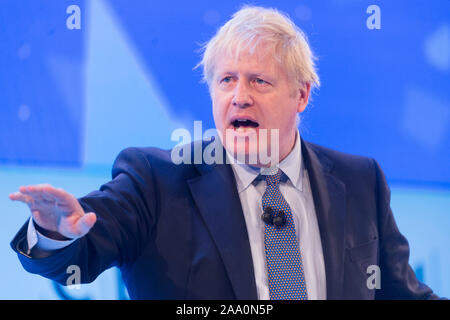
(250, 154)
(247, 146)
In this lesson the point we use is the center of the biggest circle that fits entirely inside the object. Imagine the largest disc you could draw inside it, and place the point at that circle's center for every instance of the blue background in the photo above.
(70, 100)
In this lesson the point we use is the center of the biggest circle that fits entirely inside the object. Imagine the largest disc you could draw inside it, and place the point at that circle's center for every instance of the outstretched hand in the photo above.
(56, 210)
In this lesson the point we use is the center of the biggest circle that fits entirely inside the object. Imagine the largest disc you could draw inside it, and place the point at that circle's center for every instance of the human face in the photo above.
(252, 93)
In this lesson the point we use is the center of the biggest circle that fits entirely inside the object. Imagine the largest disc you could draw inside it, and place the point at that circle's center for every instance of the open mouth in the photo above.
(244, 123)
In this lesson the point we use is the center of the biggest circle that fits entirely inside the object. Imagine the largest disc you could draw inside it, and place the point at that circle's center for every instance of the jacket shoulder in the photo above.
(361, 175)
(341, 161)
(161, 162)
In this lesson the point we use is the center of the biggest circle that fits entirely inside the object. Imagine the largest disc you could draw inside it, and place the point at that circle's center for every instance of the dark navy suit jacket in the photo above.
(178, 231)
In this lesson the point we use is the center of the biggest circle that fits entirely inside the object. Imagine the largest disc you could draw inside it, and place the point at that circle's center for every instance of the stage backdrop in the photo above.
(81, 80)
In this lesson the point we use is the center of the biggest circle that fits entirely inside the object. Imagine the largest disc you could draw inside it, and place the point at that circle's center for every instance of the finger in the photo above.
(30, 191)
(18, 196)
(85, 223)
(34, 195)
(15, 195)
(33, 188)
(59, 194)
(48, 192)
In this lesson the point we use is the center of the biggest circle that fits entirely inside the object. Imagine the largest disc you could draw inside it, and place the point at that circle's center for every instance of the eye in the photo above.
(261, 82)
(226, 79)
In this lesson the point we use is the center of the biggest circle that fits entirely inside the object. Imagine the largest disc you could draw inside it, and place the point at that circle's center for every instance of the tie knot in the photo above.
(273, 179)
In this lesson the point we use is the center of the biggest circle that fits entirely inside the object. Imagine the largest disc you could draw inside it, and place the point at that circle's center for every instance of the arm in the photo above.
(124, 209)
(398, 280)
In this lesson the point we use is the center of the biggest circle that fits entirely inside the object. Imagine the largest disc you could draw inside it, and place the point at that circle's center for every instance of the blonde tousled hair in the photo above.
(252, 26)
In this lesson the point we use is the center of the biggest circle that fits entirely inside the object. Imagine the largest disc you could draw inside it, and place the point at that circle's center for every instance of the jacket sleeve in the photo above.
(398, 280)
(125, 208)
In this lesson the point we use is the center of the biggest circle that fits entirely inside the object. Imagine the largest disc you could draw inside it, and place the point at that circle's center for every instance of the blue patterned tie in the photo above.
(283, 257)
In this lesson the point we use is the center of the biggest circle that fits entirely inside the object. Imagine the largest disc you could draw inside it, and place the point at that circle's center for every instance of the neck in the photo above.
(283, 154)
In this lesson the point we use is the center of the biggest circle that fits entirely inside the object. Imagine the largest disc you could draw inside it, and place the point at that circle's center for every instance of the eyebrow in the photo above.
(250, 75)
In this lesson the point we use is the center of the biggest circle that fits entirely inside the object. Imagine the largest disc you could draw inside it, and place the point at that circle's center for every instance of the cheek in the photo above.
(218, 116)
(278, 118)
(283, 119)
(219, 109)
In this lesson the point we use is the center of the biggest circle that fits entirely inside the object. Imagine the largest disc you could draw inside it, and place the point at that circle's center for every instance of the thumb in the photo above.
(86, 222)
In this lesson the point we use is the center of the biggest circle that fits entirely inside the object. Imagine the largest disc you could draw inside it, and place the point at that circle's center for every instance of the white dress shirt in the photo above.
(297, 193)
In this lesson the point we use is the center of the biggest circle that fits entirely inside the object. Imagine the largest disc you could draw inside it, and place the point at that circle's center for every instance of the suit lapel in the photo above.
(216, 196)
(329, 202)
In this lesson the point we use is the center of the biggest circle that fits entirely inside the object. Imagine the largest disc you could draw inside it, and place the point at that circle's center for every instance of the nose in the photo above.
(242, 97)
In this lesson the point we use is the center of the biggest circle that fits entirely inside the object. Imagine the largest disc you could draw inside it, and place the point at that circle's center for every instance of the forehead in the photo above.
(261, 60)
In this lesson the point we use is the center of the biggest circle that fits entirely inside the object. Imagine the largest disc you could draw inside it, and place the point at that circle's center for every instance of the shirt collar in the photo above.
(291, 166)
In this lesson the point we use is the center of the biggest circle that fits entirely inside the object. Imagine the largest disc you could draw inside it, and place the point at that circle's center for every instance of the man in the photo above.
(304, 223)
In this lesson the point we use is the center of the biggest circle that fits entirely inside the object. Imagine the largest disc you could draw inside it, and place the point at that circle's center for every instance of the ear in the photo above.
(304, 96)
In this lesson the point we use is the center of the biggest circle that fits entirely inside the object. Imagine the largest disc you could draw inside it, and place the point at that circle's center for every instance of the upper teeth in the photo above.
(243, 121)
